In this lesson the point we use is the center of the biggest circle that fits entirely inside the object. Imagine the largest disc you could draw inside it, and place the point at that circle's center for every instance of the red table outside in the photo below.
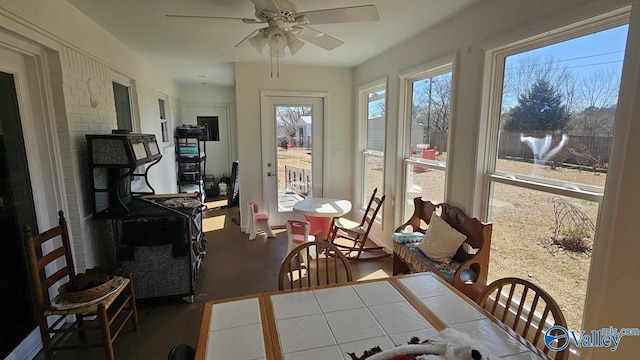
(320, 212)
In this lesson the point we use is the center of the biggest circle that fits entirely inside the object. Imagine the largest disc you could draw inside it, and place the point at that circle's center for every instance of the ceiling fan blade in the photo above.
(342, 15)
(245, 20)
(319, 38)
(266, 5)
(245, 41)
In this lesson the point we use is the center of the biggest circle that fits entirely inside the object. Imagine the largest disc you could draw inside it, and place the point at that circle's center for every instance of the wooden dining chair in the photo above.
(528, 310)
(323, 264)
(352, 237)
(119, 305)
(182, 352)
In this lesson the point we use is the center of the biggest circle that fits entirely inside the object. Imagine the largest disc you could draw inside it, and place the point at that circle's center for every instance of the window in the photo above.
(122, 97)
(372, 125)
(550, 127)
(427, 116)
(164, 126)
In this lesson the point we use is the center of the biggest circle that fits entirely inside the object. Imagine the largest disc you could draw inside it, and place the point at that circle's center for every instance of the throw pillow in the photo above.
(440, 241)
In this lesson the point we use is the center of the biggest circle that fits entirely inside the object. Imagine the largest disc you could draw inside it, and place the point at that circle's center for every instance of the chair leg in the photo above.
(252, 231)
(133, 307)
(81, 333)
(106, 332)
(46, 339)
(267, 229)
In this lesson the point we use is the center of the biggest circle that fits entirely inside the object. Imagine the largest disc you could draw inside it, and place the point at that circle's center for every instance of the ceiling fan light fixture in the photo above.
(259, 41)
(277, 42)
(277, 54)
(294, 43)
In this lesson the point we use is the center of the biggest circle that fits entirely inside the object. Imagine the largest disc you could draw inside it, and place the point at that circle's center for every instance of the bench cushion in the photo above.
(417, 261)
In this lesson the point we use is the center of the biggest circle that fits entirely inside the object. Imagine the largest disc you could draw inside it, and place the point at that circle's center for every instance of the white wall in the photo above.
(208, 100)
(613, 291)
(251, 78)
(81, 59)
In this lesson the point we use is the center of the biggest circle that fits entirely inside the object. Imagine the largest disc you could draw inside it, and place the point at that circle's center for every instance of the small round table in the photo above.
(320, 212)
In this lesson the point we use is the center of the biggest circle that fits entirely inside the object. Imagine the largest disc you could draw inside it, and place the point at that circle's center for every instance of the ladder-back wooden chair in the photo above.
(120, 304)
(529, 311)
(352, 237)
(312, 264)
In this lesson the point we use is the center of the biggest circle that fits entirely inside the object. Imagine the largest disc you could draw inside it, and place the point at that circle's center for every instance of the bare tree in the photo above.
(432, 108)
(520, 77)
(287, 118)
(597, 95)
(600, 89)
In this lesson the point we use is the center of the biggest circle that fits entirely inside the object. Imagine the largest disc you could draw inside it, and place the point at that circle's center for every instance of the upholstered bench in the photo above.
(467, 270)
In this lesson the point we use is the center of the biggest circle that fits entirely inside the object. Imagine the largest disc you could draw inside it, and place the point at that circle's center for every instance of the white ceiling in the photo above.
(195, 51)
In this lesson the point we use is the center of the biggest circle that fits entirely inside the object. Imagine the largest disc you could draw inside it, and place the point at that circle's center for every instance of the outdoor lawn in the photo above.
(523, 227)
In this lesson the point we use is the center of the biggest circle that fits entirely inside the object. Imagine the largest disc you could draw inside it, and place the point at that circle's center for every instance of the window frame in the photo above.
(489, 120)
(130, 85)
(430, 69)
(492, 107)
(166, 120)
(362, 150)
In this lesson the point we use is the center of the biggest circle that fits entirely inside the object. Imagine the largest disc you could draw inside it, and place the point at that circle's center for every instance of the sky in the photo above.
(600, 51)
(595, 51)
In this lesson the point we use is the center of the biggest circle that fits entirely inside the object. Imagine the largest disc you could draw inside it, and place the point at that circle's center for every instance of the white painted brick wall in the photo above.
(77, 79)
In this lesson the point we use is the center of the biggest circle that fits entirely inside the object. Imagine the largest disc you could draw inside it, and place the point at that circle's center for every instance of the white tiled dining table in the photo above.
(329, 322)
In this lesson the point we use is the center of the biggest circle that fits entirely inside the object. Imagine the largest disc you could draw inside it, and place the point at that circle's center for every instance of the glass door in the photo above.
(293, 155)
(16, 211)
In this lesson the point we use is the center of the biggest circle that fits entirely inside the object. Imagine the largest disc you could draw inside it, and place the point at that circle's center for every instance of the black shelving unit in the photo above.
(191, 158)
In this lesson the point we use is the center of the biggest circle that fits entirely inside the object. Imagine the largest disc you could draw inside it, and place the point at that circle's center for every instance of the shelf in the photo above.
(183, 159)
(185, 182)
(190, 149)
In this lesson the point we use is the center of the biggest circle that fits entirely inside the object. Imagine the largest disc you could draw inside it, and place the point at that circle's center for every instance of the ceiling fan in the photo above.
(286, 26)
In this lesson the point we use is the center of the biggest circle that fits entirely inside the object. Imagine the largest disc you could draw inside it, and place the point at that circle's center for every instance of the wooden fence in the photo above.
(298, 180)
(579, 150)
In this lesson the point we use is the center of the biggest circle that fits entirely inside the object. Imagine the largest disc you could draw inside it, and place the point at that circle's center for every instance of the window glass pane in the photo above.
(123, 106)
(376, 120)
(546, 239)
(558, 108)
(373, 176)
(430, 117)
(424, 182)
(373, 152)
(163, 115)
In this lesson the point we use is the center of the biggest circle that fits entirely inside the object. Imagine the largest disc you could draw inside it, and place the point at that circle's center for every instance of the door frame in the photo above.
(44, 163)
(222, 111)
(323, 152)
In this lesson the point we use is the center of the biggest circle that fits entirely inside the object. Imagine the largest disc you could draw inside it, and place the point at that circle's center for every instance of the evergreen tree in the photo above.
(539, 109)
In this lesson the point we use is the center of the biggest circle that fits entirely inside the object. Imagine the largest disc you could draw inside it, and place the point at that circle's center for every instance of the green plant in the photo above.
(576, 232)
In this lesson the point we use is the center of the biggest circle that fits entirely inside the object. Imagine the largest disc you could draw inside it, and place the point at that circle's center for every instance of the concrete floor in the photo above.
(233, 266)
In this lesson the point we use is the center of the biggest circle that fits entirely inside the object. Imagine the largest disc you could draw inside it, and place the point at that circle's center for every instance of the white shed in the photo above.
(303, 131)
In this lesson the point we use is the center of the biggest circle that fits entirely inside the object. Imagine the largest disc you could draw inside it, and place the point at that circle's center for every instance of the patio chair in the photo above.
(528, 310)
(257, 221)
(119, 304)
(324, 265)
(353, 237)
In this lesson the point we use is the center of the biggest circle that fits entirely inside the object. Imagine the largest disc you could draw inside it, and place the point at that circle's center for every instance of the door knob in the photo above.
(271, 174)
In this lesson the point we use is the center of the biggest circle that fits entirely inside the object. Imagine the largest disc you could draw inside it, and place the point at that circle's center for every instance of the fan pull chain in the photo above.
(277, 66)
